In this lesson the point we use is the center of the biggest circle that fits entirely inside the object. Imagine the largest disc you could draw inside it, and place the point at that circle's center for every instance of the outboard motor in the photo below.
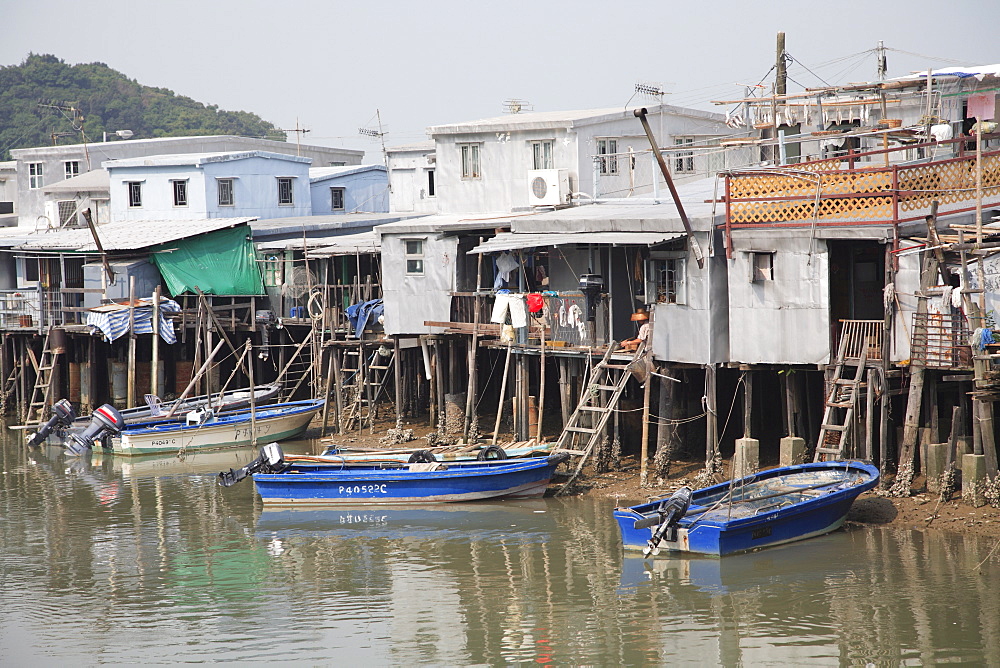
(271, 460)
(106, 421)
(668, 515)
(62, 416)
(265, 320)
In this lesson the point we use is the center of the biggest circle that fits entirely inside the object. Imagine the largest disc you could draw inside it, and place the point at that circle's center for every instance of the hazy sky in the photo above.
(330, 65)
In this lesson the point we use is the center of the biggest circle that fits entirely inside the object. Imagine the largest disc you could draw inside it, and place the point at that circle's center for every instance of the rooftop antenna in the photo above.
(299, 131)
(516, 106)
(379, 134)
(653, 90)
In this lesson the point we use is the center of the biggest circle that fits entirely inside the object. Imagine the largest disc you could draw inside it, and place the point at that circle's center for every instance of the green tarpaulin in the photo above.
(217, 263)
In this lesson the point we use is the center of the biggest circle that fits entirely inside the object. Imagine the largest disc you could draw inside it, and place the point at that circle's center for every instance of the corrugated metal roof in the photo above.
(128, 235)
(511, 241)
(567, 119)
(176, 159)
(94, 180)
(350, 244)
(320, 173)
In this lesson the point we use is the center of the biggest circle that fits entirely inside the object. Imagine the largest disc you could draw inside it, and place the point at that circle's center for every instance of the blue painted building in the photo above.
(195, 186)
(351, 189)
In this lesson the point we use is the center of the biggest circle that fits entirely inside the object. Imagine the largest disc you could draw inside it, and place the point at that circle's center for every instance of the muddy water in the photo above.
(122, 561)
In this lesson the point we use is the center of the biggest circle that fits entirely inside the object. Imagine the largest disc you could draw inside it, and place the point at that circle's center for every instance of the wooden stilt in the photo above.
(565, 404)
(644, 450)
(711, 423)
(869, 416)
(397, 379)
(326, 391)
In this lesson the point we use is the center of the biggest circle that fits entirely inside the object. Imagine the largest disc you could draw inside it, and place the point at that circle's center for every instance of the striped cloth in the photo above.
(112, 319)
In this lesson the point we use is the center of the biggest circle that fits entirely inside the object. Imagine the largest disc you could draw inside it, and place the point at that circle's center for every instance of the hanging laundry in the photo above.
(535, 303)
(942, 132)
(506, 263)
(512, 303)
(981, 106)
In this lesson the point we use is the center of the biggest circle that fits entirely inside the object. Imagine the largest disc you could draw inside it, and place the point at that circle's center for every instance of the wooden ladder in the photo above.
(597, 403)
(368, 380)
(41, 394)
(297, 369)
(841, 400)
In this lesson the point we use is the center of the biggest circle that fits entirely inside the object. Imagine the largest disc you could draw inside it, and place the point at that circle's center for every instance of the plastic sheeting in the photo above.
(217, 263)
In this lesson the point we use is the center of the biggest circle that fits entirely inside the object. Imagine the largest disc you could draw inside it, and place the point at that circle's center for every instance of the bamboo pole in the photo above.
(326, 393)
(541, 385)
(130, 394)
(253, 399)
(154, 370)
(503, 394)
(338, 382)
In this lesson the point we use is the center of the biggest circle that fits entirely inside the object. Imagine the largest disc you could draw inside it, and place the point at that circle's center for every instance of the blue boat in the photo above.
(297, 483)
(772, 507)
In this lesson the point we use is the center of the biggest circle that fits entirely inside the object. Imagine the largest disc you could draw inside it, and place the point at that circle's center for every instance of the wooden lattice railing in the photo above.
(834, 192)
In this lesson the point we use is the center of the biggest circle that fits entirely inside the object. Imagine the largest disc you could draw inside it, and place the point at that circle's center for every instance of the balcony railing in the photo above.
(941, 341)
(835, 192)
(33, 308)
(858, 337)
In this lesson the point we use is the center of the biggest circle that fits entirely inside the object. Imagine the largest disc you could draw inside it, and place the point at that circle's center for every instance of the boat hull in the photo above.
(274, 423)
(811, 510)
(319, 485)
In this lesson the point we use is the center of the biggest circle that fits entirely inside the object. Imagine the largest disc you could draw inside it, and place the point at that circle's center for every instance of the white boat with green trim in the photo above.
(270, 423)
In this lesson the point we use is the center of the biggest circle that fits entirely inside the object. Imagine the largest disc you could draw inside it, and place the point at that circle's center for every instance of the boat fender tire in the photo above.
(422, 456)
(491, 452)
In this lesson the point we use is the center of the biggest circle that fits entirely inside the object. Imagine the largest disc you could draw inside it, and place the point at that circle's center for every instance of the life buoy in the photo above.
(422, 456)
(491, 452)
(315, 298)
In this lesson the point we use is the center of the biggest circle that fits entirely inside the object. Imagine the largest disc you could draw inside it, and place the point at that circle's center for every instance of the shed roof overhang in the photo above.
(511, 241)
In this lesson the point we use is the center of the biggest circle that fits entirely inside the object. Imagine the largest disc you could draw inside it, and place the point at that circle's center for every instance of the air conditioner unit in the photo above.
(548, 187)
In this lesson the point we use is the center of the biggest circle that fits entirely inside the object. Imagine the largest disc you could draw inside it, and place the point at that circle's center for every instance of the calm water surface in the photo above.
(124, 561)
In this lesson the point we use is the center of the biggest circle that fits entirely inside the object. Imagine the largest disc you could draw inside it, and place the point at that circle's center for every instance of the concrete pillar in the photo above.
(746, 461)
(792, 451)
(936, 458)
(973, 478)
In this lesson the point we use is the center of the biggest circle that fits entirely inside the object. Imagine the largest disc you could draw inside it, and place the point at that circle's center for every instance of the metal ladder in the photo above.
(597, 403)
(842, 399)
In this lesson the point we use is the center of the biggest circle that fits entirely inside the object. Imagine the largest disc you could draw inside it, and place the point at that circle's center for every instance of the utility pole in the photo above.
(781, 78)
(880, 57)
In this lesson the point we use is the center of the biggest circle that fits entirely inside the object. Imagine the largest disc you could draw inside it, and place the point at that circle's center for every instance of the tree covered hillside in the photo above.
(36, 97)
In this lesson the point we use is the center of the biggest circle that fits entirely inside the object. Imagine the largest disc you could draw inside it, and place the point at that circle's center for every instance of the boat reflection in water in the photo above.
(524, 521)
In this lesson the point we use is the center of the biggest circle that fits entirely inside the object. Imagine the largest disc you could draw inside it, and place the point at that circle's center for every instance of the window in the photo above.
(338, 163)
(414, 251)
(667, 281)
(760, 266)
(225, 188)
(180, 192)
(337, 199)
(683, 160)
(36, 178)
(134, 193)
(430, 183)
(285, 191)
(470, 161)
(72, 168)
(541, 155)
(608, 147)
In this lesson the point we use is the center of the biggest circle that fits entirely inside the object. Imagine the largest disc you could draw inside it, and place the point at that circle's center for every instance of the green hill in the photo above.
(43, 97)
